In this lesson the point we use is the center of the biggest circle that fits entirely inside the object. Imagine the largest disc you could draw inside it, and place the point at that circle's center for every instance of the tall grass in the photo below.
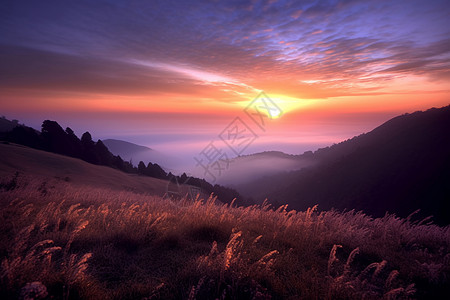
(83, 242)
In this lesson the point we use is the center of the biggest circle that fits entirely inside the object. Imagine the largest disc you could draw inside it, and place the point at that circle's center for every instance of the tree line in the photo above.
(223, 193)
(53, 138)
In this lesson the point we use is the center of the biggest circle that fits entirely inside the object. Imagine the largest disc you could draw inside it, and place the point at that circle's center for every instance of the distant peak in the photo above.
(124, 143)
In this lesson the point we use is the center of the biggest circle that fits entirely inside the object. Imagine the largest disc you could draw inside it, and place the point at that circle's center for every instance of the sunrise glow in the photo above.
(187, 68)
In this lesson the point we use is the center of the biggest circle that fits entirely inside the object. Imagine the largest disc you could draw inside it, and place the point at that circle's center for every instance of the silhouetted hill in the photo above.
(7, 125)
(136, 153)
(53, 138)
(400, 166)
(246, 168)
(119, 147)
(146, 156)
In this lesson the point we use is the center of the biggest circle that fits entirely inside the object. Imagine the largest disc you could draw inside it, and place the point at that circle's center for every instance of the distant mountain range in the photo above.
(7, 125)
(400, 166)
(247, 168)
(129, 151)
(54, 139)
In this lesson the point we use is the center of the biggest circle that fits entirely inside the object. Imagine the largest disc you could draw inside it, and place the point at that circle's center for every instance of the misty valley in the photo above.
(225, 150)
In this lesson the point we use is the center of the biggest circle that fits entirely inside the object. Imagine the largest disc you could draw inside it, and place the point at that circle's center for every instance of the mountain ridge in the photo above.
(121, 145)
(400, 166)
(134, 152)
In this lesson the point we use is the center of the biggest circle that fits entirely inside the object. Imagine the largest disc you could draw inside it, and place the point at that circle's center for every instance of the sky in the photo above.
(173, 75)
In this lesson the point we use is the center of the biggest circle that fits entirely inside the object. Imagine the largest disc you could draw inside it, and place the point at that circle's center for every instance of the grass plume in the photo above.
(88, 243)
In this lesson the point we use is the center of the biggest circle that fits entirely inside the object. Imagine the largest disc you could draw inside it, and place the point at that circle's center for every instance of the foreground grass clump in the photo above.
(65, 242)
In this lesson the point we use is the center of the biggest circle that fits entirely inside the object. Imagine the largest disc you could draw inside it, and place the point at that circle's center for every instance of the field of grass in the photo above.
(65, 241)
(42, 164)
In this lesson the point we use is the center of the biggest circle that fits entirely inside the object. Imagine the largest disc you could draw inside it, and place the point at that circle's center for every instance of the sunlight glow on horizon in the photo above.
(174, 68)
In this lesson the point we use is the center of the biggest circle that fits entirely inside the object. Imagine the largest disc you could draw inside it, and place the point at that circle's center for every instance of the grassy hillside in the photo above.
(401, 166)
(45, 165)
(65, 241)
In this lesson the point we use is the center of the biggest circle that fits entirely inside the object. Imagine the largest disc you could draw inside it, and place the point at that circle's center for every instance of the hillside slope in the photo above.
(400, 166)
(124, 148)
(93, 243)
(37, 163)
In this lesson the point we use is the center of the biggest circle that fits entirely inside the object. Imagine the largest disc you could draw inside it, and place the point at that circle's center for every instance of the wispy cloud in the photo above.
(223, 49)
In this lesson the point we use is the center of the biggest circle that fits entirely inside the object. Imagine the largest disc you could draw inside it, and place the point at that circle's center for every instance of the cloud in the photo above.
(244, 45)
(43, 70)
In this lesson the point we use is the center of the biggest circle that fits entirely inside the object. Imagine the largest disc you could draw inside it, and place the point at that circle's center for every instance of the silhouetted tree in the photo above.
(24, 136)
(104, 157)
(74, 143)
(183, 178)
(128, 167)
(88, 148)
(118, 163)
(154, 170)
(141, 168)
(54, 138)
